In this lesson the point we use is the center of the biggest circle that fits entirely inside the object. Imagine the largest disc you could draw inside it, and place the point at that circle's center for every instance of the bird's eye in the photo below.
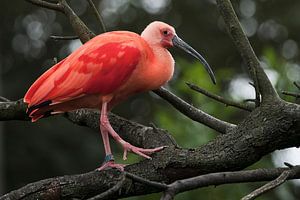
(165, 32)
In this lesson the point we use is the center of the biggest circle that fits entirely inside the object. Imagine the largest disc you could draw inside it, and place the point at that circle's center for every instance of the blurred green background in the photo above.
(55, 147)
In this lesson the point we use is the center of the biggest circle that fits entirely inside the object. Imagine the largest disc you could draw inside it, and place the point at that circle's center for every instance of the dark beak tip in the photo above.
(214, 82)
(187, 48)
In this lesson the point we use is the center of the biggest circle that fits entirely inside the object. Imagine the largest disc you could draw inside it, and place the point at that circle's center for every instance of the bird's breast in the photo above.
(152, 72)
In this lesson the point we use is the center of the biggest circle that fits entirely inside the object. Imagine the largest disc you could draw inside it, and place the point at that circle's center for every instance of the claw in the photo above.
(125, 154)
(111, 164)
(139, 151)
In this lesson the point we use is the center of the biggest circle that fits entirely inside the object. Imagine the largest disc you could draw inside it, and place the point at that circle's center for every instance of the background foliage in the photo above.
(54, 146)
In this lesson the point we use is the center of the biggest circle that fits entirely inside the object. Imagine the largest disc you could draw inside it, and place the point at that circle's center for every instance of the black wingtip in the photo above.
(40, 105)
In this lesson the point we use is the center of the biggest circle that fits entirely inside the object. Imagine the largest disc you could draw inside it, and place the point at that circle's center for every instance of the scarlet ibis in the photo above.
(103, 72)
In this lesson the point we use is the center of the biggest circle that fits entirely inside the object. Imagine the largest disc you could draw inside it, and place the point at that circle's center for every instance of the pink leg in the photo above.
(126, 146)
(109, 159)
(105, 139)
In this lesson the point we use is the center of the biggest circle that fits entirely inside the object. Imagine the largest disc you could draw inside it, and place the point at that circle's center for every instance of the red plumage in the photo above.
(98, 67)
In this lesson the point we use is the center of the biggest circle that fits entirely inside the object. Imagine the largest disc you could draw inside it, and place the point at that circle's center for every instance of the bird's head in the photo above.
(163, 35)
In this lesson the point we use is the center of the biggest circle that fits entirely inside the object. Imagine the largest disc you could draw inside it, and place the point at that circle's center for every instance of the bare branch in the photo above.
(194, 113)
(262, 83)
(98, 15)
(3, 99)
(13, 110)
(45, 4)
(111, 191)
(54, 37)
(232, 177)
(83, 32)
(269, 186)
(134, 133)
(218, 98)
(154, 184)
(293, 94)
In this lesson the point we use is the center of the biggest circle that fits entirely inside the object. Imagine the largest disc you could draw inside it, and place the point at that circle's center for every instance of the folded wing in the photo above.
(98, 67)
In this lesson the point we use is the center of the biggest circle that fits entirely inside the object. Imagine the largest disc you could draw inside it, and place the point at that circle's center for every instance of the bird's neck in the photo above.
(148, 37)
(164, 64)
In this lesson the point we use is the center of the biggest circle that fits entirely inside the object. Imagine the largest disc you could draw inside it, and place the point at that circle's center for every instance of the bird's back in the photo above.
(100, 66)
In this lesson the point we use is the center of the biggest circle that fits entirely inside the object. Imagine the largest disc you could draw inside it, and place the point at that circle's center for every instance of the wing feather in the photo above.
(99, 66)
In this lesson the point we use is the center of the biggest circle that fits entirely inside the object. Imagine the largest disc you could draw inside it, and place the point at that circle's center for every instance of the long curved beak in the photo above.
(187, 48)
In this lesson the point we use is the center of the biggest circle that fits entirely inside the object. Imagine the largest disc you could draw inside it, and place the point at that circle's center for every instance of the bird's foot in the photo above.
(109, 162)
(139, 151)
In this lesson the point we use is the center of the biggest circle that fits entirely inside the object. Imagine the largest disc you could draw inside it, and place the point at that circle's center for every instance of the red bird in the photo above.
(105, 71)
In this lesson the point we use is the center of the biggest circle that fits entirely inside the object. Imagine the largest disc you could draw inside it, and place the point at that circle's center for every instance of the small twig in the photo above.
(194, 113)
(111, 191)
(98, 15)
(269, 186)
(296, 95)
(155, 128)
(218, 98)
(55, 37)
(45, 4)
(297, 85)
(3, 99)
(289, 165)
(252, 84)
(155, 184)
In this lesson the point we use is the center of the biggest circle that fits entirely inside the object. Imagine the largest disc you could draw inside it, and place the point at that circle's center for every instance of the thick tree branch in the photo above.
(218, 98)
(83, 32)
(265, 130)
(262, 83)
(13, 110)
(194, 113)
(86, 185)
(132, 132)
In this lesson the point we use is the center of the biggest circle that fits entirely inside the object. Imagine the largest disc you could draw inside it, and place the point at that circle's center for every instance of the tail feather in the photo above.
(34, 111)
(32, 108)
(51, 107)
